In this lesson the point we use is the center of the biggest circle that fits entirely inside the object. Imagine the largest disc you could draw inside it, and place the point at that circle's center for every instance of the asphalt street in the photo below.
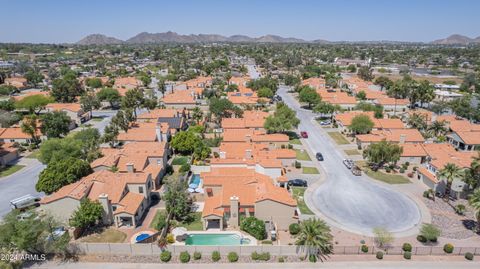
(357, 204)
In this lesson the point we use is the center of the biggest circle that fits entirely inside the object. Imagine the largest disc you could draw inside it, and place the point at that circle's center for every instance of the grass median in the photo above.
(302, 155)
(338, 138)
(10, 169)
(298, 193)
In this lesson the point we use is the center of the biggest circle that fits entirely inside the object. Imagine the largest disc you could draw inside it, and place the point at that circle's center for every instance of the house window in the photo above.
(140, 189)
(114, 207)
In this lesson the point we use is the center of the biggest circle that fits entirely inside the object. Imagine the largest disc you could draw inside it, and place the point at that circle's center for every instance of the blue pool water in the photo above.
(216, 240)
(195, 180)
(141, 237)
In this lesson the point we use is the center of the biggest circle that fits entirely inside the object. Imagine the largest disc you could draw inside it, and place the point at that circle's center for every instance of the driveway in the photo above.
(356, 204)
(253, 72)
(20, 183)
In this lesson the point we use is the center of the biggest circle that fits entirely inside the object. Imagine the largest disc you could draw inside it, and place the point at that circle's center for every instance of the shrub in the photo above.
(165, 256)
(414, 168)
(364, 248)
(312, 258)
(407, 247)
(388, 170)
(290, 146)
(232, 257)
(407, 255)
(379, 255)
(430, 232)
(265, 256)
(282, 259)
(254, 227)
(170, 239)
(216, 256)
(407, 164)
(197, 255)
(448, 248)
(298, 165)
(469, 256)
(267, 242)
(161, 219)
(402, 170)
(216, 155)
(184, 168)
(294, 228)
(426, 194)
(184, 257)
(362, 242)
(460, 209)
(422, 239)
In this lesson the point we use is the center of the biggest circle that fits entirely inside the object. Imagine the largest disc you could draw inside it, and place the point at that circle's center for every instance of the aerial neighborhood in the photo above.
(178, 148)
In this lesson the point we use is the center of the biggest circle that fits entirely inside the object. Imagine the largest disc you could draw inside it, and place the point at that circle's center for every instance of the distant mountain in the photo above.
(98, 39)
(172, 37)
(456, 40)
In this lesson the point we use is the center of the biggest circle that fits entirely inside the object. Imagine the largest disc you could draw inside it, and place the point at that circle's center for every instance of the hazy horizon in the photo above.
(55, 21)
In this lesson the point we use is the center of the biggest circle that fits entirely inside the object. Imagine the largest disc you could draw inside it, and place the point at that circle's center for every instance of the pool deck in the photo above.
(253, 241)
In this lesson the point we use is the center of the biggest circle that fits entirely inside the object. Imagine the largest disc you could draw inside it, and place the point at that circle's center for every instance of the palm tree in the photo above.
(437, 128)
(417, 121)
(29, 126)
(472, 174)
(315, 238)
(197, 114)
(474, 201)
(450, 172)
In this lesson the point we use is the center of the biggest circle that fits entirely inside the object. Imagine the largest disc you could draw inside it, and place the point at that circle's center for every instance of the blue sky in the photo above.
(56, 21)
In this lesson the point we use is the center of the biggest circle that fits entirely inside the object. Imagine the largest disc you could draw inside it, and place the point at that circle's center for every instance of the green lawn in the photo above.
(298, 193)
(34, 155)
(352, 152)
(180, 160)
(338, 138)
(10, 169)
(106, 236)
(381, 176)
(302, 155)
(195, 223)
(295, 141)
(310, 170)
(97, 119)
(158, 214)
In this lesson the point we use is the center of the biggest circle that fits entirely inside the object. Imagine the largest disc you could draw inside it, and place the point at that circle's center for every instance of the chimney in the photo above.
(234, 212)
(130, 168)
(248, 154)
(107, 217)
(158, 132)
(403, 137)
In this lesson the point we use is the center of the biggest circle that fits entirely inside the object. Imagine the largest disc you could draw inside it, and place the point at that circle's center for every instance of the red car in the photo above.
(304, 134)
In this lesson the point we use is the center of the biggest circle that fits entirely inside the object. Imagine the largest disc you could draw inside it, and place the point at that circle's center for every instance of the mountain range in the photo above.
(172, 37)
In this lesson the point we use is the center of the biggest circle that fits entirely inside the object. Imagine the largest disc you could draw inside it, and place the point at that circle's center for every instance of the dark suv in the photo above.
(297, 182)
(319, 156)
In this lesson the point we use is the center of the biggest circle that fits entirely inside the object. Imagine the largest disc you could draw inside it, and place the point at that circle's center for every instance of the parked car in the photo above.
(319, 156)
(325, 122)
(297, 183)
(348, 163)
(356, 171)
(304, 134)
(24, 202)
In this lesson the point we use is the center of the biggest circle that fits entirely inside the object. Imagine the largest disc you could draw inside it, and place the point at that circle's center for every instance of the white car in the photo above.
(348, 163)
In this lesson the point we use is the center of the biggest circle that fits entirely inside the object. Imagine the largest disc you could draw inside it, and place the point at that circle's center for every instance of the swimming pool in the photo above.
(216, 240)
(141, 237)
(196, 180)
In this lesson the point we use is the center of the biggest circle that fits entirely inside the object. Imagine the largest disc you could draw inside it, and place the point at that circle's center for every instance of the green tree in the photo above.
(314, 238)
(7, 90)
(34, 77)
(66, 89)
(162, 87)
(7, 105)
(291, 80)
(450, 172)
(376, 108)
(109, 95)
(121, 120)
(58, 149)
(223, 108)
(383, 82)
(310, 96)
(352, 68)
(265, 92)
(133, 99)
(33, 103)
(87, 215)
(33, 235)
(185, 141)
(197, 114)
(89, 102)
(283, 119)
(30, 126)
(110, 135)
(361, 124)
(177, 201)
(253, 226)
(89, 139)
(417, 121)
(365, 73)
(437, 128)
(382, 152)
(425, 92)
(146, 80)
(61, 173)
(325, 108)
(474, 201)
(94, 83)
(55, 124)
(264, 82)
(361, 95)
